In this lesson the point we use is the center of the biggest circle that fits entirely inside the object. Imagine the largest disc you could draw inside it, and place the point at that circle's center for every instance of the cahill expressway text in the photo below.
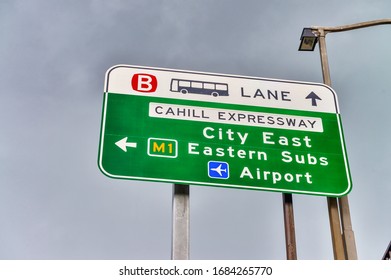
(237, 117)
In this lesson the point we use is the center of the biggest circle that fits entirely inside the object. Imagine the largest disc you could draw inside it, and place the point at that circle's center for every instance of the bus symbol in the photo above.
(199, 87)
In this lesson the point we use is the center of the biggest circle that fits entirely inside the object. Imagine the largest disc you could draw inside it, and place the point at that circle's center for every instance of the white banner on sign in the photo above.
(220, 88)
(237, 117)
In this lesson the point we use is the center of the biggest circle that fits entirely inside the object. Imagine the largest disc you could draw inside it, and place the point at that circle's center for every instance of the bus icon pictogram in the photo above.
(199, 87)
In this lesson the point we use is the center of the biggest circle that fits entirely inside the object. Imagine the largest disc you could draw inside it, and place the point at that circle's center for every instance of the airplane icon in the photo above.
(218, 169)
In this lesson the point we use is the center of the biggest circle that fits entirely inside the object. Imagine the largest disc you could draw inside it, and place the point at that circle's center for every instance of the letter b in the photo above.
(144, 83)
(312, 160)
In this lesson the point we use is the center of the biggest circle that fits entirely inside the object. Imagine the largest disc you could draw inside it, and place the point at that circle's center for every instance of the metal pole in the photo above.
(335, 227)
(180, 222)
(347, 231)
(289, 223)
(323, 57)
(354, 26)
(335, 224)
(387, 253)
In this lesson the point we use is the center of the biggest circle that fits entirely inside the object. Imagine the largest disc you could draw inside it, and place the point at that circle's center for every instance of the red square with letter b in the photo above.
(144, 83)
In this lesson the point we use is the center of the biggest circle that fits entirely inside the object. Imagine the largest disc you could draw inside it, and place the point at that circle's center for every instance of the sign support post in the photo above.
(289, 223)
(180, 222)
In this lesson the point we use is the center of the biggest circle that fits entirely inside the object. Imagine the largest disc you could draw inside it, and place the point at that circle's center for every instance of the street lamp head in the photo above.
(308, 40)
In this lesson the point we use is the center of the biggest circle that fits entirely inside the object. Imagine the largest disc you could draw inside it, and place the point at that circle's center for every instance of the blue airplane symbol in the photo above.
(218, 169)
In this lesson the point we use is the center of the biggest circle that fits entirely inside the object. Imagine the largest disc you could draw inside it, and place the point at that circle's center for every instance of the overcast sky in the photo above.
(56, 204)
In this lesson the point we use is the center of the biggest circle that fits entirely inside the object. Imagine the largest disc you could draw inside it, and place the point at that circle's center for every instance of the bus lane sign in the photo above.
(222, 130)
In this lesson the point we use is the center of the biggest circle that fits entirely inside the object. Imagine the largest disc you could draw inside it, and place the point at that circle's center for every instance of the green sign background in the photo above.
(128, 116)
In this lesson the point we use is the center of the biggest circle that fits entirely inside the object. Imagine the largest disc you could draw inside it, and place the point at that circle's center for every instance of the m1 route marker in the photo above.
(220, 130)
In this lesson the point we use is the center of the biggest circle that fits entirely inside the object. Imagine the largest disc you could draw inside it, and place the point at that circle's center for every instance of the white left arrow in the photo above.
(123, 143)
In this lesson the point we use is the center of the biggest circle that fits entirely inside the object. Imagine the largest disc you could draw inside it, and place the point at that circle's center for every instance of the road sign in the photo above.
(222, 130)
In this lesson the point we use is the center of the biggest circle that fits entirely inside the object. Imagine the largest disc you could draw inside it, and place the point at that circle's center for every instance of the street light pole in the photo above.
(323, 57)
(335, 224)
(344, 247)
(353, 26)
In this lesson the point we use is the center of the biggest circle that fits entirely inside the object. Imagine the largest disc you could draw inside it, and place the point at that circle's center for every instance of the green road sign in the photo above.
(222, 130)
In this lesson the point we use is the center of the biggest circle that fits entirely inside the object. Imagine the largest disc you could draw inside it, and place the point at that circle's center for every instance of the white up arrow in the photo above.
(123, 144)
